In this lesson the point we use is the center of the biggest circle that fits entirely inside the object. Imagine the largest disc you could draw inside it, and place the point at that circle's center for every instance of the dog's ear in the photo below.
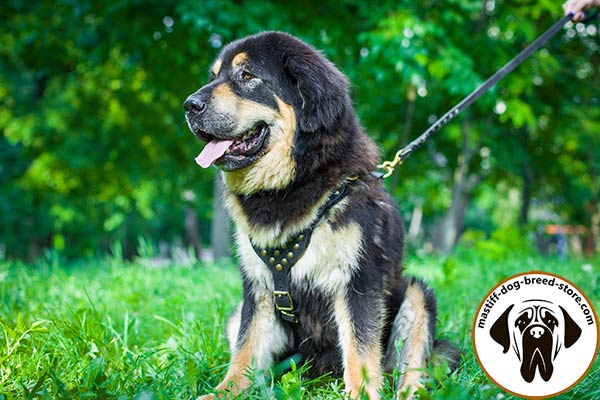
(500, 332)
(572, 330)
(322, 88)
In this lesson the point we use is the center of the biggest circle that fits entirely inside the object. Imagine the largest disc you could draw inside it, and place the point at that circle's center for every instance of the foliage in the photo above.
(503, 244)
(111, 329)
(94, 148)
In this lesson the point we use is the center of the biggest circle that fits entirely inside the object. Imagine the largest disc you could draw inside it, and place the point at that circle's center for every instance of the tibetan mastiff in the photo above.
(320, 241)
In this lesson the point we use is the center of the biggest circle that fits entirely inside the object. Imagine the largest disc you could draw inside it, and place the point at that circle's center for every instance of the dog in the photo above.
(320, 241)
(537, 330)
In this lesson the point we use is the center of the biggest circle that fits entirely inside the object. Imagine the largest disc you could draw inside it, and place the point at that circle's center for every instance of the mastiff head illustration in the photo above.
(536, 330)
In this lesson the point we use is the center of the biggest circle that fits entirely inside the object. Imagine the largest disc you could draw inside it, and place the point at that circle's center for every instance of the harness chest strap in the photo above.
(280, 260)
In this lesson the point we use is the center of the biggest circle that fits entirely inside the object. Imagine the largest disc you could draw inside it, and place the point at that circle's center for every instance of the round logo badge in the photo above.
(535, 335)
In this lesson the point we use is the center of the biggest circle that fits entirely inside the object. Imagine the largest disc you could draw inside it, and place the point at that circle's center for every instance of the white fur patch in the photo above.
(233, 328)
(331, 258)
(267, 335)
(328, 263)
(273, 235)
(252, 266)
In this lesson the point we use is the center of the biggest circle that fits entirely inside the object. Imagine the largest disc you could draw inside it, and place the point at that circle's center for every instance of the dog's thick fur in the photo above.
(358, 316)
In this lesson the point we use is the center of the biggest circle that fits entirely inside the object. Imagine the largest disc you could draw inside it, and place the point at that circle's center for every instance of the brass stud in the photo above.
(284, 261)
(336, 192)
(276, 253)
(271, 260)
(296, 246)
(278, 267)
(290, 255)
(300, 237)
(264, 252)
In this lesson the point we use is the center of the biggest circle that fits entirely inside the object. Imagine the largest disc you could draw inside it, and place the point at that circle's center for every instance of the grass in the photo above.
(119, 330)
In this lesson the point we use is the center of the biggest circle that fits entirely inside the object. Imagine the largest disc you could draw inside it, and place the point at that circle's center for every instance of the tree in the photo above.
(95, 148)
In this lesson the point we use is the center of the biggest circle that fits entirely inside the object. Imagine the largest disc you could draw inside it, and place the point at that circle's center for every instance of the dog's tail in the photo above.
(445, 354)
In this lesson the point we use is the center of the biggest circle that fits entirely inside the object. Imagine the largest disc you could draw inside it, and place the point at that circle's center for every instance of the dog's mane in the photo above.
(330, 144)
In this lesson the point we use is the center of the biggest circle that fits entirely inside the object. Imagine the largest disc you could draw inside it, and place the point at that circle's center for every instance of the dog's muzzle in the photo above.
(537, 352)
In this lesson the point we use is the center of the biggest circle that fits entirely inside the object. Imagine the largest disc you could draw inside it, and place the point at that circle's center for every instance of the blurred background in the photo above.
(96, 157)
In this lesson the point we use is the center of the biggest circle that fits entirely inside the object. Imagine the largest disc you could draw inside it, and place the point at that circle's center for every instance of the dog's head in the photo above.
(266, 94)
(537, 330)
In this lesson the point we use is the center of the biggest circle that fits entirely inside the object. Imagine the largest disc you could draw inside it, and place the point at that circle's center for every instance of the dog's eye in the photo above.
(246, 76)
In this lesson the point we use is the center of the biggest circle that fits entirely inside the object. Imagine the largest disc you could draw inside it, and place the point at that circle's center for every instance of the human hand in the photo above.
(577, 7)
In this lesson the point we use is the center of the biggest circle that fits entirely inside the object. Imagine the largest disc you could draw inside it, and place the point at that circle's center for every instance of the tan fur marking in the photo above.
(264, 339)
(362, 367)
(277, 168)
(239, 364)
(247, 113)
(353, 370)
(417, 342)
(239, 59)
(216, 68)
(224, 98)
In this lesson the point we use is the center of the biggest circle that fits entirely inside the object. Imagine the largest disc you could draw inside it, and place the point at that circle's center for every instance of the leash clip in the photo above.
(389, 166)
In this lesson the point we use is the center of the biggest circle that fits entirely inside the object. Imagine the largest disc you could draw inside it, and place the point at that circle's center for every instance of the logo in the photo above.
(535, 335)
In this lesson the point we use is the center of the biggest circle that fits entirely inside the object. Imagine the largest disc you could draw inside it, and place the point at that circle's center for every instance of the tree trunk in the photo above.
(415, 223)
(593, 210)
(411, 96)
(220, 238)
(451, 226)
(526, 195)
(594, 233)
(192, 231)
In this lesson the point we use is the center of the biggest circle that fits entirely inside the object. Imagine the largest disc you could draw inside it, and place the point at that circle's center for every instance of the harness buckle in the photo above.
(286, 301)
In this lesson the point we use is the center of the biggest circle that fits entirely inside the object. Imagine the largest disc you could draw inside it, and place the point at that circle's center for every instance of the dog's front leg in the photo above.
(260, 337)
(361, 350)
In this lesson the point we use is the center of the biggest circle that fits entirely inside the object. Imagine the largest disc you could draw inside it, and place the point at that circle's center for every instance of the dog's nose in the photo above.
(536, 332)
(195, 104)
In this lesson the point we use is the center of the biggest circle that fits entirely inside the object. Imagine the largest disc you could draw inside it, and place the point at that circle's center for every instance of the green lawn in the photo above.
(113, 329)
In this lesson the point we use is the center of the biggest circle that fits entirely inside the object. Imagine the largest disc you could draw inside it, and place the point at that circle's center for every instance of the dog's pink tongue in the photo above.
(212, 152)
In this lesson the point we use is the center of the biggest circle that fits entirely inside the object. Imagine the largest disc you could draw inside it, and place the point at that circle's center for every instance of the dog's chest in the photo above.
(327, 265)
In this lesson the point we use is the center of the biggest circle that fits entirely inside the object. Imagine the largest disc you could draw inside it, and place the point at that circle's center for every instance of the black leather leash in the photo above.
(280, 260)
(402, 154)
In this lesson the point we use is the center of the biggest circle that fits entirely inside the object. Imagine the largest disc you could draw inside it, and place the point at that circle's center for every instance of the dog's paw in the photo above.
(410, 391)
(207, 397)
(361, 393)
(351, 394)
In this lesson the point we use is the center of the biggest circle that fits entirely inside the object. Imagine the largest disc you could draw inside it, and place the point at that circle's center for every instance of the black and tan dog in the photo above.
(537, 330)
(320, 241)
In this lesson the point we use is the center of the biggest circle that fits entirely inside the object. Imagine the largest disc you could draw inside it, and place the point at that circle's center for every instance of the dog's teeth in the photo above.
(227, 151)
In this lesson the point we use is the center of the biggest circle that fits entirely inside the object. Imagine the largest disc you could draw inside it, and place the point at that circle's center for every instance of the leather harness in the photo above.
(280, 260)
